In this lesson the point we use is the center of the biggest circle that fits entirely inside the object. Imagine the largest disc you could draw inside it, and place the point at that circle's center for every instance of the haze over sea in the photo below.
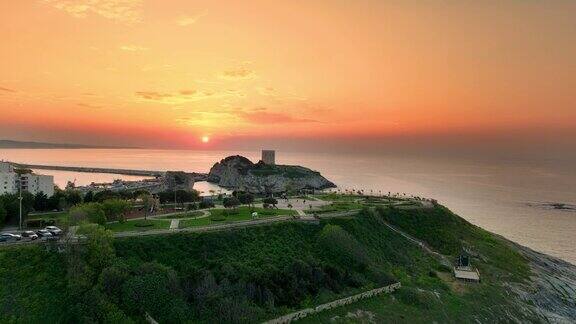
(502, 196)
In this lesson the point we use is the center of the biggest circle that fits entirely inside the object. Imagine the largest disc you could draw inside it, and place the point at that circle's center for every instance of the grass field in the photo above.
(139, 225)
(338, 207)
(243, 213)
(336, 197)
(190, 214)
(60, 218)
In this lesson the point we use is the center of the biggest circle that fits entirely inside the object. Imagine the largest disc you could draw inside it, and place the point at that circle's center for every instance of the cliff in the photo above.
(237, 172)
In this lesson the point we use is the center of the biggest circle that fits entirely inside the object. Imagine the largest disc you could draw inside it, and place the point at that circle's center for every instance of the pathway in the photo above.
(421, 244)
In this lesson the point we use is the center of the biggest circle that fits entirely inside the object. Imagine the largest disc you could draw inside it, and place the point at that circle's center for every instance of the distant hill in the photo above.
(41, 145)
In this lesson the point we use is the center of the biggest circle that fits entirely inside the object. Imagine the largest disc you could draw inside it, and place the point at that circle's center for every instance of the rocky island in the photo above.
(238, 172)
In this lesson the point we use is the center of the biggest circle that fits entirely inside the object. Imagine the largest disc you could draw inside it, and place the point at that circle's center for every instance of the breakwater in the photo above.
(143, 173)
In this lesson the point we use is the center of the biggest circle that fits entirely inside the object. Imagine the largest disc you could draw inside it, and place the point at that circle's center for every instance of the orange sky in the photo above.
(165, 73)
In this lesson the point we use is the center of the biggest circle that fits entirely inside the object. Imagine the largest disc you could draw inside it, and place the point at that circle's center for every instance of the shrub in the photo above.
(155, 289)
(115, 209)
(206, 204)
(90, 212)
(270, 201)
(231, 202)
(34, 223)
(343, 247)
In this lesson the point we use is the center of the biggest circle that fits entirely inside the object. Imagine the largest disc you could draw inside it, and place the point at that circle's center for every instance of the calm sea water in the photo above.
(495, 195)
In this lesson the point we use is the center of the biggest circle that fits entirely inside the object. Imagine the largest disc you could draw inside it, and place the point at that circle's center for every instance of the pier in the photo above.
(143, 173)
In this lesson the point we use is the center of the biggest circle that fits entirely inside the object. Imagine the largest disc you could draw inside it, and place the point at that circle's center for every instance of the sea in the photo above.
(520, 199)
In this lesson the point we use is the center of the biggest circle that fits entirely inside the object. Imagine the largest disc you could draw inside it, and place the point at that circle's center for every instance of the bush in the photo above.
(90, 212)
(343, 247)
(206, 204)
(115, 209)
(156, 290)
(37, 223)
(270, 201)
(412, 297)
(112, 278)
(3, 213)
(231, 202)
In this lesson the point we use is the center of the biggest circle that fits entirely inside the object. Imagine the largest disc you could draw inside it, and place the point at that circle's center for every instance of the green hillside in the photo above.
(258, 273)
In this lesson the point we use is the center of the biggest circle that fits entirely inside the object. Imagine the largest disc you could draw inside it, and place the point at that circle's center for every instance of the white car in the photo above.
(54, 230)
(9, 237)
(30, 235)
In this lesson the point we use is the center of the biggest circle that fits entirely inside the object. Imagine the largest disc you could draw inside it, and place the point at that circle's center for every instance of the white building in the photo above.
(10, 181)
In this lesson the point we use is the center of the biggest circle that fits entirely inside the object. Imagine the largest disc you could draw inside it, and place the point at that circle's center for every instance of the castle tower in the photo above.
(269, 157)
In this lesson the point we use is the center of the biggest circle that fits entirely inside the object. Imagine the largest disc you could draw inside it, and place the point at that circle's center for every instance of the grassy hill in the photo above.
(258, 273)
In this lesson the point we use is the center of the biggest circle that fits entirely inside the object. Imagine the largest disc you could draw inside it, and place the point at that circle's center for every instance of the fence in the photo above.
(337, 303)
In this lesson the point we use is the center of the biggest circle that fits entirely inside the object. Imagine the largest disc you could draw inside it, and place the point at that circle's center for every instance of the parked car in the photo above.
(30, 235)
(44, 233)
(9, 237)
(54, 230)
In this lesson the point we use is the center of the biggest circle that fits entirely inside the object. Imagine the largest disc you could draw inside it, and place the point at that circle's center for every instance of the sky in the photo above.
(330, 73)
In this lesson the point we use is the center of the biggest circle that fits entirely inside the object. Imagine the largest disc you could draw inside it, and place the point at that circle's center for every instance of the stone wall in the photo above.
(337, 303)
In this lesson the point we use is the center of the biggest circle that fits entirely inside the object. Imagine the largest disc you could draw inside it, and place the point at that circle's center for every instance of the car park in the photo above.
(29, 235)
(54, 230)
(9, 237)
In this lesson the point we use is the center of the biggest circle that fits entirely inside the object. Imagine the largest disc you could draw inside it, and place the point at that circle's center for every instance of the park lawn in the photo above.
(336, 197)
(60, 218)
(51, 215)
(196, 222)
(244, 213)
(338, 207)
(132, 225)
(190, 214)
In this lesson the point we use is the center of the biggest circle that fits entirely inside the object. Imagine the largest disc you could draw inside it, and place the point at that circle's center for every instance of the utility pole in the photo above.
(20, 200)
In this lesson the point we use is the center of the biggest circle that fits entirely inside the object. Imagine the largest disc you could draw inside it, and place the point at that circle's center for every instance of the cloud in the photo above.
(187, 95)
(186, 21)
(6, 89)
(133, 48)
(152, 95)
(266, 91)
(240, 73)
(125, 11)
(87, 105)
(264, 117)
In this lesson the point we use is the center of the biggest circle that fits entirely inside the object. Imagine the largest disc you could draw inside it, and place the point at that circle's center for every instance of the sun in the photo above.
(205, 139)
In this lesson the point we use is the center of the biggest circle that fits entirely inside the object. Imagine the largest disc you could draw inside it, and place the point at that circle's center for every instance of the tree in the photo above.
(73, 197)
(57, 200)
(246, 198)
(115, 209)
(270, 201)
(3, 213)
(90, 212)
(231, 202)
(41, 202)
(89, 197)
(155, 289)
(150, 203)
(99, 249)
